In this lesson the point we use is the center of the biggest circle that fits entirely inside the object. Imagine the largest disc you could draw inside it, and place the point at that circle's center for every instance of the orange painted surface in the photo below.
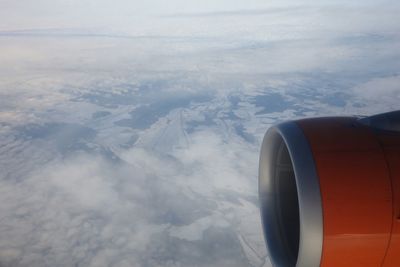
(355, 189)
(391, 145)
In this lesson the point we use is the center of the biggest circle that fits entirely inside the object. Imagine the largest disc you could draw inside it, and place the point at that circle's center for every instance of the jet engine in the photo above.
(329, 191)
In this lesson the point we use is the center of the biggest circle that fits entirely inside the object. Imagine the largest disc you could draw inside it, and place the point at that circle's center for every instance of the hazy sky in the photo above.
(127, 15)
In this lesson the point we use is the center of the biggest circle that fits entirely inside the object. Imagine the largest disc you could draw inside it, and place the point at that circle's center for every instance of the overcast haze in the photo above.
(130, 130)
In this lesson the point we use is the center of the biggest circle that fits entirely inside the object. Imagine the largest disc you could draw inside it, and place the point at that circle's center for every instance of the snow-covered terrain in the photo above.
(138, 146)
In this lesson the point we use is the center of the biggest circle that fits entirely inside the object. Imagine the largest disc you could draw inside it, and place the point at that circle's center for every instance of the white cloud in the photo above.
(382, 94)
(386, 87)
(85, 209)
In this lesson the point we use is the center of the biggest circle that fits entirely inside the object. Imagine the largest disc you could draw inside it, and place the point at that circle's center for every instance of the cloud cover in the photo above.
(129, 132)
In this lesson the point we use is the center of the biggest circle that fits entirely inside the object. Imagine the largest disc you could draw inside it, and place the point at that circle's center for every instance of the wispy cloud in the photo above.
(238, 13)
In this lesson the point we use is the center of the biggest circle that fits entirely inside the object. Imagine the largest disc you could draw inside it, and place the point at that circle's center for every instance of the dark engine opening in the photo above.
(279, 202)
(286, 203)
(289, 194)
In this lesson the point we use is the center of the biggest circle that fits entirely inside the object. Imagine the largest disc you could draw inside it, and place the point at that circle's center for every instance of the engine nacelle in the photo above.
(329, 191)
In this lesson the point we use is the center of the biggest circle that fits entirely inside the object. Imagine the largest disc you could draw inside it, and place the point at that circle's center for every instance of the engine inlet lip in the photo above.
(308, 193)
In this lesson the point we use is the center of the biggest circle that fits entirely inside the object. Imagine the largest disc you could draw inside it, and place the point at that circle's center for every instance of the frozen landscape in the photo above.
(134, 140)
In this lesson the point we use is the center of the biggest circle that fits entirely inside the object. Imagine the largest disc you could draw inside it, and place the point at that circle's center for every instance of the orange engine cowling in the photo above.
(329, 191)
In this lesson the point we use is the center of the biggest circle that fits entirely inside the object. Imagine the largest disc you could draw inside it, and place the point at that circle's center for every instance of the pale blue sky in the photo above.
(28, 14)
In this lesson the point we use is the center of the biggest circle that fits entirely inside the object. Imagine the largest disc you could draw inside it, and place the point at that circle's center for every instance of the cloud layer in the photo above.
(130, 132)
